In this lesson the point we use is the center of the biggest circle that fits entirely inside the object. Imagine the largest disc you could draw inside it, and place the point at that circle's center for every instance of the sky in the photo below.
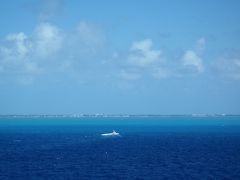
(129, 57)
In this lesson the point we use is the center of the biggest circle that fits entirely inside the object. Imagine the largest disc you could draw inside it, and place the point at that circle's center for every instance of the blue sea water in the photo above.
(171, 147)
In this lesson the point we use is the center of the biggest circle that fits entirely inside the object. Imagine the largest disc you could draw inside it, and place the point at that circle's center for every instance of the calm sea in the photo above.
(170, 147)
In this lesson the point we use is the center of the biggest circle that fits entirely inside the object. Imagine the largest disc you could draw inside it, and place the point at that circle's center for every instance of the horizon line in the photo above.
(118, 114)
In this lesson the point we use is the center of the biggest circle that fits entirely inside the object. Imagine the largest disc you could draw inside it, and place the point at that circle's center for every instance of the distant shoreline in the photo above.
(109, 115)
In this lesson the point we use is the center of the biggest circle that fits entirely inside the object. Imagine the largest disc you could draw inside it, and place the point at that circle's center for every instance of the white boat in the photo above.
(114, 133)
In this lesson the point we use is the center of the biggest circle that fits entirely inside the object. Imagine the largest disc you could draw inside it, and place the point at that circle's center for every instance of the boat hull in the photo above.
(110, 134)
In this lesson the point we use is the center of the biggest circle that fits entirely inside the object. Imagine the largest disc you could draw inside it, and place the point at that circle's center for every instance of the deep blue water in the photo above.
(149, 148)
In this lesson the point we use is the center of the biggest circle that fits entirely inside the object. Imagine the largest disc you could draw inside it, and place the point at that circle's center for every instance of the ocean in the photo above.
(158, 147)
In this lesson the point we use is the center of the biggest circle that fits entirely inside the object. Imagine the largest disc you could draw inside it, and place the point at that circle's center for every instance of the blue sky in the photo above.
(156, 57)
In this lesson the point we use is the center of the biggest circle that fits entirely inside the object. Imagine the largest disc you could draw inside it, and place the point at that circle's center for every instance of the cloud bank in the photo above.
(143, 60)
(48, 49)
(81, 51)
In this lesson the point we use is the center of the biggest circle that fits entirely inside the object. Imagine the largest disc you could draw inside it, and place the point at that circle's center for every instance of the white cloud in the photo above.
(21, 46)
(15, 56)
(144, 60)
(49, 49)
(20, 54)
(48, 40)
(142, 55)
(190, 58)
